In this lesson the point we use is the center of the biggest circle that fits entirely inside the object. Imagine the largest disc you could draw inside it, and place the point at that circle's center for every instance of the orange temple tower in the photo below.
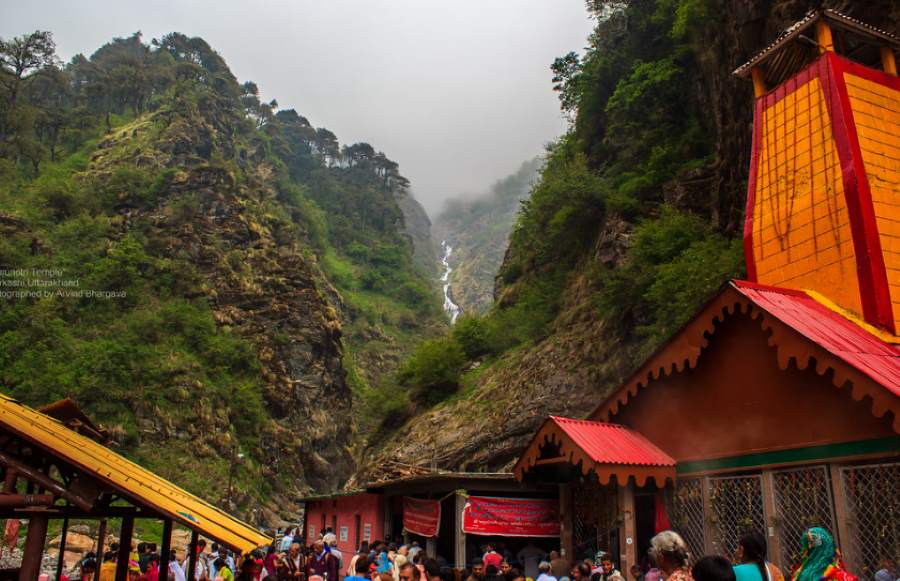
(823, 199)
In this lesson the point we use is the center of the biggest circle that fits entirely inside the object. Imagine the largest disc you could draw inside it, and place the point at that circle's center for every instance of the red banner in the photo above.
(421, 517)
(511, 517)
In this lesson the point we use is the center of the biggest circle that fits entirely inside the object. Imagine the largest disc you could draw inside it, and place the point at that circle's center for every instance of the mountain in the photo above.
(634, 221)
(216, 280)
(418, 227)
(477, 228)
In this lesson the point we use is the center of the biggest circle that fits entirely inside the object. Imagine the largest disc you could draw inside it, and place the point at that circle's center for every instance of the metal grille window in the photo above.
(687, 514)
(802, 500)
(873, 514)
(736, 505)
(594, 519)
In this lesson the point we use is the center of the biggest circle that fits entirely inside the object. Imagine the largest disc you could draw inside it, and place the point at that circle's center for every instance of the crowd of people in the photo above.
(289, 559)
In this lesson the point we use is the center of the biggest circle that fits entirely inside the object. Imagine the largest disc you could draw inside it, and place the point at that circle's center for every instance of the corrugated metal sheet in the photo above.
(609, 443)
(130, 479)
(833, 332)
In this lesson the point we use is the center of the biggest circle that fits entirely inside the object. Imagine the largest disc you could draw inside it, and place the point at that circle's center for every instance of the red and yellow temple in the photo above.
(777, 406)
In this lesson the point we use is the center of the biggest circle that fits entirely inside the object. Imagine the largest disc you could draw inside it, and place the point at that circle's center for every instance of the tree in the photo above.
(566, 75)
(21, 57)
(358, 154)
(132, 72)
(53, 96)
(327, 146)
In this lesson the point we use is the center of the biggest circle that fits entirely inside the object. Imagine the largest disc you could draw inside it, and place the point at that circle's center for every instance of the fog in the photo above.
(458, 93)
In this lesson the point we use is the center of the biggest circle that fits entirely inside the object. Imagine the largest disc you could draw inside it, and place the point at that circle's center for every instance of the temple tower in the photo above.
(823, 198)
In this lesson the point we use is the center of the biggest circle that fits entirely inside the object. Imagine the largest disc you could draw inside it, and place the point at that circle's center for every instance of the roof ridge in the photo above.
(881, 334)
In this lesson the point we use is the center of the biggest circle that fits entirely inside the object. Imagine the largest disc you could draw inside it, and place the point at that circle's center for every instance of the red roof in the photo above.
(608, 450)
(833, 332)
(609, 443)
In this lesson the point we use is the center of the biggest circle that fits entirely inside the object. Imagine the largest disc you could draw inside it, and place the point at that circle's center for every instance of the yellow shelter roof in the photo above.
(129, 479)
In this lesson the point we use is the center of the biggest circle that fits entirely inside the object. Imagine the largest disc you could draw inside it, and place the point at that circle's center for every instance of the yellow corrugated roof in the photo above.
(127, 477)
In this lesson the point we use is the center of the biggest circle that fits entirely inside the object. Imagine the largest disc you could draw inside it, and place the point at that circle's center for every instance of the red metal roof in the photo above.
(833, 332)
(607, 443)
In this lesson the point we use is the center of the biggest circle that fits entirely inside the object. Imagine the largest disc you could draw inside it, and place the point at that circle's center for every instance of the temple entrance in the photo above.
(645, 523)
(595, 527)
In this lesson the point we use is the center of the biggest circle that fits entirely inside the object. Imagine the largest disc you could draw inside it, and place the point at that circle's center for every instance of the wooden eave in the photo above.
(682, 351)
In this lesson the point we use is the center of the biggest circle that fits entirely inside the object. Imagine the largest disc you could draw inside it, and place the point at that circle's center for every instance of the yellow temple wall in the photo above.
(801, 228)
(876, 115)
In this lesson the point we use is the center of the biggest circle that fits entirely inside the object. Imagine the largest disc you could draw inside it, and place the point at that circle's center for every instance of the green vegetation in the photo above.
(598, 231)
(149, 173)
(635, 132)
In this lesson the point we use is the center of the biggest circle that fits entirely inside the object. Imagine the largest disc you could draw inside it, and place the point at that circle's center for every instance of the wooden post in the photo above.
(459, 537)
(62, 549)
(759, 82)
(824, 37)
(124, 556)
(388, 517)
(627, 533)
(708, 533)
(165, 550)
(34, 547)
(843, 530)
(566, 521)
(192, 556)
(304, 524)
(888, 62)
(101, 542)
(770, 510)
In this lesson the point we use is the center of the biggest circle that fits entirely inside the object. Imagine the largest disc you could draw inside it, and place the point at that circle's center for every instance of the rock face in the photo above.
(260, 283)
(564, 375)
(263, 287)
(477, 228)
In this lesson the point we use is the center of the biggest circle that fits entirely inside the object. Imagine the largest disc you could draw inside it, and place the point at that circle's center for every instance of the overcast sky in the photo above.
(458, 93)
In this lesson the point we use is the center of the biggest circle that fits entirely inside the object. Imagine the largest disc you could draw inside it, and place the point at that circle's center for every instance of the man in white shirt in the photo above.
(211, 560)
(330, 541)
(545, 575)
(528, 558)
(286, 541)
(175, 568)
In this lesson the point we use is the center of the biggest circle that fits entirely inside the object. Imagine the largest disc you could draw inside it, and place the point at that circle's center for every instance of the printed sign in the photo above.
(511, 517)
(367, 532)
(345, 534)
(421, 517)
(312, 531)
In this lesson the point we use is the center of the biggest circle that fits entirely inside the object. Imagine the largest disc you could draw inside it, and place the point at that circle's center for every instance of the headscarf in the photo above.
(819, 558)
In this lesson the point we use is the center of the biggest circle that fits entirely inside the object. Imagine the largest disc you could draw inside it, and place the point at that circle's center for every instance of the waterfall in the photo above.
(449, 306)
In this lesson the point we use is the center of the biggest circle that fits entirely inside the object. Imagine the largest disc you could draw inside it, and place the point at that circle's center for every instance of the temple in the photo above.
(777, 405)
(822, 207)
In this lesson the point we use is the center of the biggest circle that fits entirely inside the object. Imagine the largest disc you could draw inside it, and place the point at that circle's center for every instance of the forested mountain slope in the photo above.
(477, 227)
(634, 222)
(202, 272)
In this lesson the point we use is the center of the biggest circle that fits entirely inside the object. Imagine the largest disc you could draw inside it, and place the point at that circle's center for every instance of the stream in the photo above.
(449, 306)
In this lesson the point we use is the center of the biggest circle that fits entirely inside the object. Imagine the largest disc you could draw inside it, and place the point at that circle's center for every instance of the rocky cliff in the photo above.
(477, 227)
(230, 279)
(417, 225)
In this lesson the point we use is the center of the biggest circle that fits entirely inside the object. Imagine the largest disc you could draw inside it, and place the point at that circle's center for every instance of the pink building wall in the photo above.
(362, 514)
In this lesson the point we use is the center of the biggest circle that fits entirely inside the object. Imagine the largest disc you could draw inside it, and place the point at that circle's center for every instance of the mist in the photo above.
(458, 93)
